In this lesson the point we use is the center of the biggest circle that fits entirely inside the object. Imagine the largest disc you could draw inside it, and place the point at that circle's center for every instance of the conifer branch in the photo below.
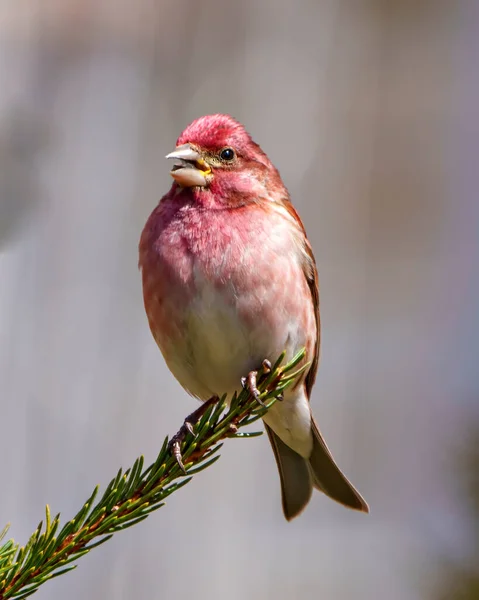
(133, 494)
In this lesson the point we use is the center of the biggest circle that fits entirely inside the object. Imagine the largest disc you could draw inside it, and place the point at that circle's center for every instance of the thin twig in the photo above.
(133, 494)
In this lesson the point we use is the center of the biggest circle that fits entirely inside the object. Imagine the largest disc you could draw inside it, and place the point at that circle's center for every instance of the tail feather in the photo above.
(299, 475)
(295, 476)
(328, 477)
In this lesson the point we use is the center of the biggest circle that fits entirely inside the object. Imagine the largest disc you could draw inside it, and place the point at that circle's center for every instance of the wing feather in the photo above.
(311, 273)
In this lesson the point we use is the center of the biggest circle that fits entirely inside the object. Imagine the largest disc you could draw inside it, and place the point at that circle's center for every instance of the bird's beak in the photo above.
(190, 169)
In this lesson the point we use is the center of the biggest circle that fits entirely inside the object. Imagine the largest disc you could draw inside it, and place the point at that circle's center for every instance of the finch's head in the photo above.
(216, 152)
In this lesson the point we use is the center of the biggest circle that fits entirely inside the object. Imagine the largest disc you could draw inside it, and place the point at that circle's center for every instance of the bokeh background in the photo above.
(370, 110)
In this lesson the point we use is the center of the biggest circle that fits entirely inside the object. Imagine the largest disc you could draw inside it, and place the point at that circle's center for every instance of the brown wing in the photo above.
(311, 274)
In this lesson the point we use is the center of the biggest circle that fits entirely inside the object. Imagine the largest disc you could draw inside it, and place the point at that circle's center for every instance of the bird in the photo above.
(230, 280)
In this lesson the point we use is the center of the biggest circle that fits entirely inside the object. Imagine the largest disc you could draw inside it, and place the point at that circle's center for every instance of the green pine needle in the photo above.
(133, 494)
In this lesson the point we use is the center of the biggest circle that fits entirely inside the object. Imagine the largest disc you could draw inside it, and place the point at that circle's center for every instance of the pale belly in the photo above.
(226, 336)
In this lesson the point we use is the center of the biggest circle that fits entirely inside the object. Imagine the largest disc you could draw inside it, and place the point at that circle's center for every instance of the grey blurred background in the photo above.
(370, 111)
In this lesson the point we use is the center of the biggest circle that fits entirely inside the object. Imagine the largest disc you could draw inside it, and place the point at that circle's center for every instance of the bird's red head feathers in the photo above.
(234, 168)
(211, 133)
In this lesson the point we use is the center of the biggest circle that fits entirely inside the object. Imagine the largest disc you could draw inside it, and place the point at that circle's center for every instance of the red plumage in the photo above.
(229, 279)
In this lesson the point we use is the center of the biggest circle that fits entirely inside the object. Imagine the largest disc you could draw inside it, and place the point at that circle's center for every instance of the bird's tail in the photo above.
(299, 475)
(294, 474)
(328, 477)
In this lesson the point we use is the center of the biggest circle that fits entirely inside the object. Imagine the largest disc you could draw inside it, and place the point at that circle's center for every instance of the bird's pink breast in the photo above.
(223, 289)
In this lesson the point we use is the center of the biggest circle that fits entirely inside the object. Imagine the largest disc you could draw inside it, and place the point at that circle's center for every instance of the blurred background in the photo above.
(370, 111)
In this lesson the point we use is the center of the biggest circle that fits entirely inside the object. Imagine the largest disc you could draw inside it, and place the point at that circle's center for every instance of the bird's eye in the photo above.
(227, 154)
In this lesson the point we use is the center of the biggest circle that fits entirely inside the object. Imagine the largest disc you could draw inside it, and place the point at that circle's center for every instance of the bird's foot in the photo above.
(249, 382)
(266, 365)
(188, 427)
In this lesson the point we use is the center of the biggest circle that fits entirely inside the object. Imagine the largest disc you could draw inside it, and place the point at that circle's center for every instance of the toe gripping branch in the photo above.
(188, 427)
(249, 383)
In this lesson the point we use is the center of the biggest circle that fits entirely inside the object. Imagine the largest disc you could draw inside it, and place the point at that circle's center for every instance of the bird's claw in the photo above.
(191, 420)
(266, 364)
(250, 384)
(175, 449)
(189, 427)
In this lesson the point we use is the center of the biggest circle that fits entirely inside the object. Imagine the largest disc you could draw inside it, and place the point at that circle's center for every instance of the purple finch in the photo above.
(229, 279)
